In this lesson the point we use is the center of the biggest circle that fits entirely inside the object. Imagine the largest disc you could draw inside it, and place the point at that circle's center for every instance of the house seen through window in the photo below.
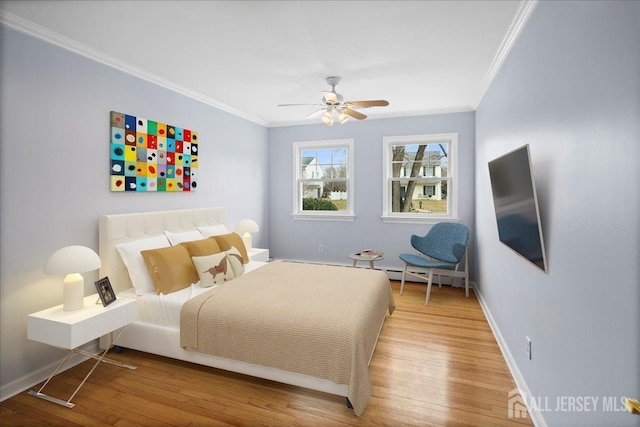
(323, 179)
(420, 180)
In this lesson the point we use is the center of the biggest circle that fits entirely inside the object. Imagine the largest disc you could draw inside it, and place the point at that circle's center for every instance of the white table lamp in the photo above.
(71, 261)
(244, 229)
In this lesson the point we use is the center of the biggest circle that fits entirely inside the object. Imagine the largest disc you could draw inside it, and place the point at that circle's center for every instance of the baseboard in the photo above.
(536, 416)
(26, 382)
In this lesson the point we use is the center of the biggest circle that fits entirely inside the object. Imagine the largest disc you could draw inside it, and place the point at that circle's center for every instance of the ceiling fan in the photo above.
(335, 109)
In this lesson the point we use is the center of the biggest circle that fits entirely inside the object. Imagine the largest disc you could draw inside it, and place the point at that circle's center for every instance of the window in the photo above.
(428, 171)
(429, 190)
(323, 187)
(420, 181)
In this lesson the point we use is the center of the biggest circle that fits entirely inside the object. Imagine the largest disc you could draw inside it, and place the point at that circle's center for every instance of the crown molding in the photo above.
(519, 21)
(22, 25)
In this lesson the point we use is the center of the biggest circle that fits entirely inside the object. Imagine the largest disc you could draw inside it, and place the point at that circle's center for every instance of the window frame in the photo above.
(298, 180)
(452, 178)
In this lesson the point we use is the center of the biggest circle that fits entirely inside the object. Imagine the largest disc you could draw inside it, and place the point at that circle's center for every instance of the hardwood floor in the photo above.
(433, 366)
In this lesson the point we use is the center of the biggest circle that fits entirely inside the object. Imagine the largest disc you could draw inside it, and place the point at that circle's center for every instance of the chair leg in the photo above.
(404, 273)
(426, 300)
(439, 277)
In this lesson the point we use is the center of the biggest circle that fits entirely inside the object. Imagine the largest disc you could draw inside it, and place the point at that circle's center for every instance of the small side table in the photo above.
(355, 257)
(258, 254)
(71, 329)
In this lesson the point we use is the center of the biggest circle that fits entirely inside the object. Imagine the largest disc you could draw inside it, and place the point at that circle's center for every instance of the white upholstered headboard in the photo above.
(121, 228)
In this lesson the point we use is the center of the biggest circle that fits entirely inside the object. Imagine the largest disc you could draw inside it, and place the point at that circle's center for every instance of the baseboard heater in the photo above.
(395, 274)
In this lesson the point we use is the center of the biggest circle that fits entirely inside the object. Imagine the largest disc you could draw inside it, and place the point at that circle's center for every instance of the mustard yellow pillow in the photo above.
(227, 241)
(171, 269)
(202, 247)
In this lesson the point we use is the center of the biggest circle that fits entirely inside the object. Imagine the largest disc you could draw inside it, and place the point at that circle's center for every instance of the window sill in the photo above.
(417, 219)
(323, 217)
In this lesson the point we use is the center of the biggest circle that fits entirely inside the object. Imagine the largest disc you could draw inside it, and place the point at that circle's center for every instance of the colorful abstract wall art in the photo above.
(152, 156)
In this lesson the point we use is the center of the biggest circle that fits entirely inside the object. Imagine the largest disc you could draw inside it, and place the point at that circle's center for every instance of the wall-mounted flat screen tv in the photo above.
(516, 205)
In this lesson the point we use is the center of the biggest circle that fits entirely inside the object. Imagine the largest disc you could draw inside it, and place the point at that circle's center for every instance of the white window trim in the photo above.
(298, 213)
(452, 164)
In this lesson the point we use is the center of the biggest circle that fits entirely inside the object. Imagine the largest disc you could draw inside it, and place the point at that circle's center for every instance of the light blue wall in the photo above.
(571, 89)
(54, 172)
(299, 239)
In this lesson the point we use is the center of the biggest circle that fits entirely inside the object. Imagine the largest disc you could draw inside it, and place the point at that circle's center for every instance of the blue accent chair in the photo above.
(441, 252)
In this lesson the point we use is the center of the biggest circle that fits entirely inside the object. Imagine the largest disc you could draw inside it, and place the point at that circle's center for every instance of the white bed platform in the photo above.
(164, 341)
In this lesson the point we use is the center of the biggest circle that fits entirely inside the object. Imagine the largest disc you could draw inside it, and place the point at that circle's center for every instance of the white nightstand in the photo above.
(257, 254)
(71, 329)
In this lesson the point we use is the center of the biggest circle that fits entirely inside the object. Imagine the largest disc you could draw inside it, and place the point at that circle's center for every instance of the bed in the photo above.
(328, 317)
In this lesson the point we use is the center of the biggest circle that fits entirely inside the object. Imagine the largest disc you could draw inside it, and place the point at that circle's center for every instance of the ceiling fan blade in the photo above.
(367, 104)
(330, 97)
(300, 105)
(316, 113)
(353, 113)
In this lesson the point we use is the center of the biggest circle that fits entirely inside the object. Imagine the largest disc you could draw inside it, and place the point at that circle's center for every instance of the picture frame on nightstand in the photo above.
(105, 291)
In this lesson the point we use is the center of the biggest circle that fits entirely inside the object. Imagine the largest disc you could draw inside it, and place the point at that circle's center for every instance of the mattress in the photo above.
(164, 310)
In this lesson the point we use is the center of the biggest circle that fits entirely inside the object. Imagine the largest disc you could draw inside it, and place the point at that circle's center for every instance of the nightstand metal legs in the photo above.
(98, 357)
(49, 398)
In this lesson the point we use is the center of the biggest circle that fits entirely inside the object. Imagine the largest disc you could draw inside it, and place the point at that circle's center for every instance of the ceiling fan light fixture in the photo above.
(327, 119)
(335, 109)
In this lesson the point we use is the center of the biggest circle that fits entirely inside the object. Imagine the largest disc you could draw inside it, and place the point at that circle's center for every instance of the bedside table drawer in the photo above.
(71, 329)
(95, 328)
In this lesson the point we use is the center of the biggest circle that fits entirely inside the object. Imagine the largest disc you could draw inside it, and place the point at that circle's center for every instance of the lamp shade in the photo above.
(247, 225)
(72, 259)
(70, 262)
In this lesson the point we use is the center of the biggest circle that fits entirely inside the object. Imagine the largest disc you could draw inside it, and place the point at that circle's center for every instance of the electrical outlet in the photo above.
(320, 248)
(528, 347)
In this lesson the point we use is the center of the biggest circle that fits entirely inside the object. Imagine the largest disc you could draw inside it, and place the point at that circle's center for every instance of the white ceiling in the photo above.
(248, 56)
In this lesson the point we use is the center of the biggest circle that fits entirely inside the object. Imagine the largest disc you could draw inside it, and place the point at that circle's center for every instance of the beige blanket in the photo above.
(317, 320)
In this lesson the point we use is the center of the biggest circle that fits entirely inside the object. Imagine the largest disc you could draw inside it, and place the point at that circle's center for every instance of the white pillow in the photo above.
(183, 236)
(132, 259)
(213, 230)
(235, 260)
(213, 269)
